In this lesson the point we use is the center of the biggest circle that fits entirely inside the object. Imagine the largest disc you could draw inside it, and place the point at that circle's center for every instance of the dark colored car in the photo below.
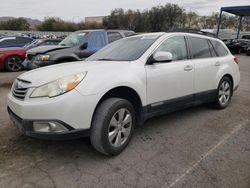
(77, 46)
(245, 44)
(11, 59)
(237, 46)
(6, 42)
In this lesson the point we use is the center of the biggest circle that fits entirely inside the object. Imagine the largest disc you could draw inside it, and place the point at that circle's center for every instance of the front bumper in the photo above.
(72, 108)
(26, 126)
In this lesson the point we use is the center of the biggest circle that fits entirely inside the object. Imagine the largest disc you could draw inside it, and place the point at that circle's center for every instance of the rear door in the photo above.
(206, 66)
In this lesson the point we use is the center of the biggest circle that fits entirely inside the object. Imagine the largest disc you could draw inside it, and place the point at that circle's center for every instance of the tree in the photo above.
(15, 24)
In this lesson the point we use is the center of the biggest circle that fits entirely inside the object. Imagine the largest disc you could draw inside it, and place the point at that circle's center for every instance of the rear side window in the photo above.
(113, 36)
(199, 47)
(176, 46)
(219, 48)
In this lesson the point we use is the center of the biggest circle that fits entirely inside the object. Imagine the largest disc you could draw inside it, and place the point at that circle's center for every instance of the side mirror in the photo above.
(84, 46)
(162, 57)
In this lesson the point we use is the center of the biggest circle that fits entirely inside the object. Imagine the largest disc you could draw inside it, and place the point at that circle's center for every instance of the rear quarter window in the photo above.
(219, 48)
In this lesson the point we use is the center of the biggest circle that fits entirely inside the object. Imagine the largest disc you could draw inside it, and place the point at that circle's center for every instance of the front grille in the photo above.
(20, 89)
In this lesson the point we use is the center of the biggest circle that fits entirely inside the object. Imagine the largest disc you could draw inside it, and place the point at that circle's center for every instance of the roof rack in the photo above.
(188, 30)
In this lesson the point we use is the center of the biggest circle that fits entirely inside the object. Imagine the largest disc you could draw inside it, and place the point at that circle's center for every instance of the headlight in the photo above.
(58, 87)
(43, 57)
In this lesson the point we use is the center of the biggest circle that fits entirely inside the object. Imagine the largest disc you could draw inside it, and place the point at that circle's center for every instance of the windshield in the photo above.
(32, 44)
(73, 39)
(128, 49)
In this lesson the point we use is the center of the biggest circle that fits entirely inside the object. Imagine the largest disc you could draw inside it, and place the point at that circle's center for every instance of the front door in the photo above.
(170, 83)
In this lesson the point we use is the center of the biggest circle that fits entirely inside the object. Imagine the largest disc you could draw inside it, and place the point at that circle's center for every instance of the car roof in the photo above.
(160, 34)
(112, 30)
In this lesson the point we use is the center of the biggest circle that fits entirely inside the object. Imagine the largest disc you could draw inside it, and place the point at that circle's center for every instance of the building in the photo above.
(97, 19)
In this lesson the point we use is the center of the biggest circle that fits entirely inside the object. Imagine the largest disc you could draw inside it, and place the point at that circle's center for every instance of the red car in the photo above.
(11, 59)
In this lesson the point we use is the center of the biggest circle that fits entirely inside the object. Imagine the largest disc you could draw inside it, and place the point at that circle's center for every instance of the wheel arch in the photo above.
(10, 55)
(127, 93)
(230, 77)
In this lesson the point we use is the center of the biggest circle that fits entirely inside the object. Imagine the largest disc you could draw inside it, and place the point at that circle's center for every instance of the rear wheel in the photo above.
(224, 93)
(14, 63)
(112, 126)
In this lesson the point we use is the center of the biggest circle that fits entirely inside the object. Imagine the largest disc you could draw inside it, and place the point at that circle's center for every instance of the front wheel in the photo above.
(112, 126)
(224, 93)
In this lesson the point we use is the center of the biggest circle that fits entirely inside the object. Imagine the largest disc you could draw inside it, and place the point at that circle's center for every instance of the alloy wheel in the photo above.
(14, 63)
(224, 92)
(120, 127)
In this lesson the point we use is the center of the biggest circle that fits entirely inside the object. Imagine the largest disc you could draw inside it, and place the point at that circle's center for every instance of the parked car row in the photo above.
(77, 46)
(237, 46)
(43, 52)
(11, 59)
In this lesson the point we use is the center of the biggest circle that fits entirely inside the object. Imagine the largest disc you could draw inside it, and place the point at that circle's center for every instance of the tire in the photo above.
(13, 63)
(109, 111)
(224, 93)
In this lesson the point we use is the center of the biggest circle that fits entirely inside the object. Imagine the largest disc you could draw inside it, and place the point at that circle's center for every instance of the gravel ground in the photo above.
(196, 147)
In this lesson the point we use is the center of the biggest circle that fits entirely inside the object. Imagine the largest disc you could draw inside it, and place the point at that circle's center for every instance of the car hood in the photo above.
(12, 49)
(48, 74)
(45, 49)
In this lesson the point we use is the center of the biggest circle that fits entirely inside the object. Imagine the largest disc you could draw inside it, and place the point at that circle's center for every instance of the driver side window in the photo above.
(176, 46)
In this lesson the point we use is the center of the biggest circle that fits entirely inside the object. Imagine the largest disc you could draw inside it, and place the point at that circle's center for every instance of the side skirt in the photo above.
(164, 107)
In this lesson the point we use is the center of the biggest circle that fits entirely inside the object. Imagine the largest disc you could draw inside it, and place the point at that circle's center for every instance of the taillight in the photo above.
(236, 60)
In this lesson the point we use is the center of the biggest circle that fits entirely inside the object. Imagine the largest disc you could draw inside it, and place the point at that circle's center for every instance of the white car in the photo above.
(122, 85)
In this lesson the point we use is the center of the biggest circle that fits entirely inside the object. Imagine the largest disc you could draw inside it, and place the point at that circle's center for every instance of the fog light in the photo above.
(40, 126)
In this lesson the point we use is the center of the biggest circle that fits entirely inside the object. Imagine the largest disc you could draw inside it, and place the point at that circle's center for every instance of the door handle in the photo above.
(188, 68)
(217, 63)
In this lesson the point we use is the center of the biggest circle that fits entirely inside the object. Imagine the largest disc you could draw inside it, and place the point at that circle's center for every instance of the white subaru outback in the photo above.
(122, 85)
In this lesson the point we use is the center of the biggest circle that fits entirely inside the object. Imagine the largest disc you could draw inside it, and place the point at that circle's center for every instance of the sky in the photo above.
(77, 10)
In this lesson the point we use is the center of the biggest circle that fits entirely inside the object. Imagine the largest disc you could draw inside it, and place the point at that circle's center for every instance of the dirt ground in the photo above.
(196, 147)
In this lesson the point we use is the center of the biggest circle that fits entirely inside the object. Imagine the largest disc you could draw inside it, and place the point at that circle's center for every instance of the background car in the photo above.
(237, 46)
(245, 44)
(6, 42)
(77, 46)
